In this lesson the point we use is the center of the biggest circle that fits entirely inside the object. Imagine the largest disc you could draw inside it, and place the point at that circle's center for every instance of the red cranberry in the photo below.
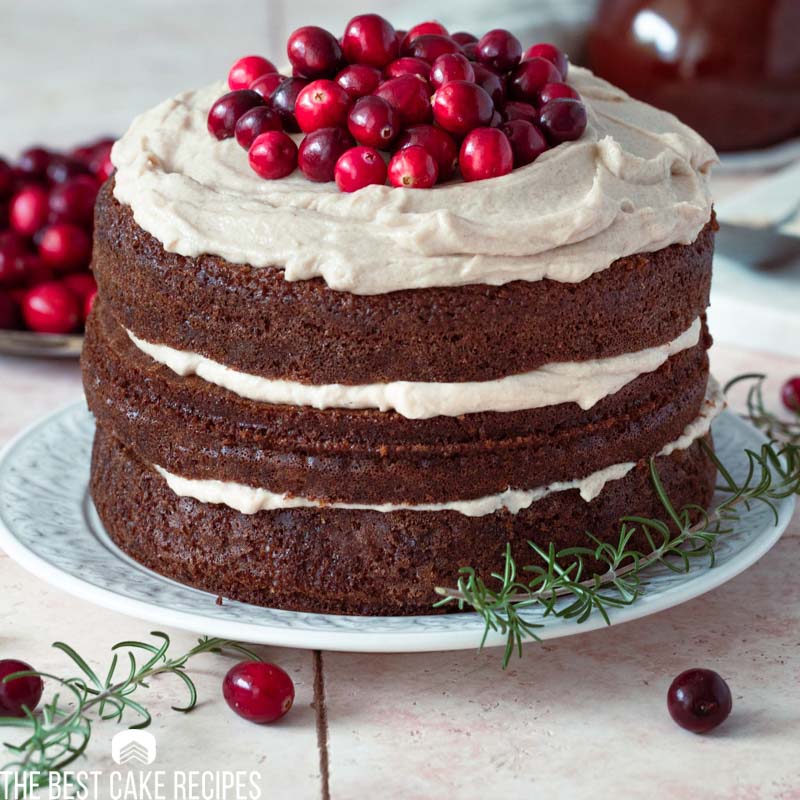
(431, 26)
(33, 162)
(497, 119)
(100, 161)
(88, 304)
(413, 167)
(499, 49)
(485, 153)
(283, 100)
(254, 122)
(105, 169)
(550, 91)
(562, 119)
(463, 37)
(460, 106)
(314, 52)
(19, 692)
(226, 111)
(258, 692)
(699, 700)
(74, 200)
(451, 67)
(6, 179)
(527, 141)
(51, 308)
(267, 84)
(35, 270)
(369, 39)
(81, 284)
(550, 53)
(407, 65)
(320, 150)
(273, 155)
(359, 80)
(12, 260)
(516, 109)
(64, 247)
(437, 142)
(529, 77)
(321, 104)
(490, 82)
(9, 317)
(29, 210)
(374, 122)
(430, 46)
(410, 96)
(359, 167)
(62, 168)
(470, 50)
(790, 394)
(246, 70)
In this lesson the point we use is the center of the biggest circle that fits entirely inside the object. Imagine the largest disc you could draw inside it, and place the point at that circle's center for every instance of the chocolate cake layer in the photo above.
(357, 562)
(198, 430)
(255, 321)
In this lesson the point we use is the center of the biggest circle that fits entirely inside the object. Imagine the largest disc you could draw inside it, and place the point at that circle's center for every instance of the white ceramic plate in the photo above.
(49, 525)
(40, 345)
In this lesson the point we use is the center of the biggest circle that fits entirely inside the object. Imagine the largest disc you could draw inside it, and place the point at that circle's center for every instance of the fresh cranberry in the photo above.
(64, 247)
(359, 167)
(490, 82)
(430, 46)
(104, 169)
(437, 142)
(9, 320)
(550, 53)
(100, 159)
(267, 84)
(254, 122)
(51, 308)
(699, 700)
(470, 50)
(499, 49)
(81, 284)
(374, 122)
(400, 35)
(74, 200)
(320, 150)
(413, 167)
(88, 304)
(283, 100)
(35, 270)
(451, 67)
(321, 104)
(63, 168)
(33, 162)
(410, 95)
(464, 37)
(14, 694)
(258, 692)
(226, 111)
(550, 91)
(528, 79)
(6, 179)
(314, 52)
(12, 260)
(246, 70)
(369, 39)
(431, 26)
(516, 109)
(273, 155)
(563, 119)
(527, 141)
(790, 394)
(359, 80)
(485, 153)
(460, 106)
(29, 210)
(407, 65)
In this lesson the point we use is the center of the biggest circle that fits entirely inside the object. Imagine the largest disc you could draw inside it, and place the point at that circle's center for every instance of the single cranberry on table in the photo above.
(499, 49)
(64, 247)
(320, 150)
(528, 79)
(284, 98)
(370, 39)
(490, 82)
(413, 167)
(321, 104)
(699, 700)
(430, 46)
(451, 67)
(516, 109)
(360, 167)
(563, 119)
(267, 84)
(29, 210)
(790, 394)
(9, 315)
(527, 141)
(18, 693)
(51, 308)
(485, 153)
(359, 80)
(314, 52)
(410, 95)
(464, 37)
(273, 155)
(551, 91)
(33, 162)
(74, 200)
(407, 65)
(226, 111)
(374, 122)
(460, 106)
(254, 122)
(246, 70)
(431, 26)
(550, 53)
(437, 142)
(257, 691)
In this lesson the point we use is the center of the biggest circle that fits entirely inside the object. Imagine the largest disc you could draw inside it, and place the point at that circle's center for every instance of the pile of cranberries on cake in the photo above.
(412, 106)
(46, 214)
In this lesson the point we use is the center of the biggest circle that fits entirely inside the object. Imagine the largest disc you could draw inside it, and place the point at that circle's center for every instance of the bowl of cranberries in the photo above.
(46, 214)
(413, 108)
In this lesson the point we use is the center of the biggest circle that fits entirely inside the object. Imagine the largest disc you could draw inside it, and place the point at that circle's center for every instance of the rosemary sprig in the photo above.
(557, 581)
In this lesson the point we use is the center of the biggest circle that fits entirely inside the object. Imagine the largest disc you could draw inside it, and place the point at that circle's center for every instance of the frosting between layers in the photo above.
(635, 182)
(250, 500)
(581, 382)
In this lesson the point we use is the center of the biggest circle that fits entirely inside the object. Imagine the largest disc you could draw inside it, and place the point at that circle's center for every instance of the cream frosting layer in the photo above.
(250, 500)
(635, 182)
(581, 382)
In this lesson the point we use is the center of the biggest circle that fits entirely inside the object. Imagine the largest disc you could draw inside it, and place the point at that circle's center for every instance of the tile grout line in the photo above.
(321, 710)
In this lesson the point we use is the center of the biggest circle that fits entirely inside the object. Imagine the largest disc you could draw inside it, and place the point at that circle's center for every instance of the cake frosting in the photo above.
(636, 181)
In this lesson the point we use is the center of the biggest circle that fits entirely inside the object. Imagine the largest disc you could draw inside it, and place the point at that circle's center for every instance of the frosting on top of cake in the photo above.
(636, 181)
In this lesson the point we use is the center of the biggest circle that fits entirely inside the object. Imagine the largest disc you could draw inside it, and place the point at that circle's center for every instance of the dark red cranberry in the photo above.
(359, 80)
(430, 46)
(63, 168)
(497, 119)
(246, 70)
(35, 270)
(529, 77)
(410, 95)
(273, 155)
(321, 104)
(283, 100)
(81, 284)
(429, 27)
(527, 141)
(451, 67)
(359, 167)
(320, 150)
(790, 394)
(499, 49)
(374, 122)
(18, 692)
(9, 321)
(485, 153)
(516, 109)
(460, 106)
(370, 39)
(267, 84)
(314, 52)
(29, 210)
(470, 50)
(104, 168)
(6, 179)
(463, 37)
(12, 260)
(51, 308)
(33, 162)
(699, 700)
(563, 120)
(64, 247)
(400, 34)
(437, 142)
(225, 112)
(407, 65)
(74, 200)
(550, 91)
(254, 122)
(258, 692)
(413, 167)
(550, 53)
(490, 82)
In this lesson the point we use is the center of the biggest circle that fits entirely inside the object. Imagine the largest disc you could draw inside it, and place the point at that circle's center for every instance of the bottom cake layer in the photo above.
(354, 561)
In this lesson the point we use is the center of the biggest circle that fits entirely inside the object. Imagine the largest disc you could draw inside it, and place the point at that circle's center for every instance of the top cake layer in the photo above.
(635, 182)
